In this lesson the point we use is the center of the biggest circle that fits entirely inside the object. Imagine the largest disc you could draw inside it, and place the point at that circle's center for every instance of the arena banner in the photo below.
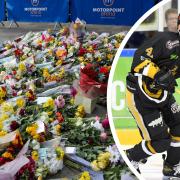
(122, 117)
(38, 10)
(110, 12)
(2, 10)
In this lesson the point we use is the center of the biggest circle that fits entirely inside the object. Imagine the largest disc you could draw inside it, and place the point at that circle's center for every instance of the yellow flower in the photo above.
(60, 52)
(24, 57)
(49, 103)
(50, 52)
(28, 94)
(61, 73)
(40, 178)
(2, 133)
(1, 125)
(85, 176)
(50, 113)
(80, 111)
(3, 117)
(35, 155)
(81, 59)
(51, 120)
(59, 153)
(20, 102)
(104, 156)
(8, 46)
(36, 136)
(90, 48)
(39, 42)
(99, 59)
(103, 164)
(32, 129)
(22, 67)
(109, 56)
(117, 45)
(95, 166)
(2, 93)
(46, 73)
(58, 128)
(72, 100)
(7, 107)
(59, 62)
(7, 155)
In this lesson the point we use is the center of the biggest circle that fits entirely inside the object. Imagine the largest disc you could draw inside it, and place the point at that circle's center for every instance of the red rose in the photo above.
(104, 70)
(82, 51)
(14, 93)
(2, 161)
(94, 46)
(18, 52)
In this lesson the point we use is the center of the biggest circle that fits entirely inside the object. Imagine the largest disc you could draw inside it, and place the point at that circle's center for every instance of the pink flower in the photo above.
(105, 123)
(60, 102)
(103, 137)
(97, 118)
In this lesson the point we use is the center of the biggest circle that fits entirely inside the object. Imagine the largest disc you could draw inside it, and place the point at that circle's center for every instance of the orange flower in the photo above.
(7, 155)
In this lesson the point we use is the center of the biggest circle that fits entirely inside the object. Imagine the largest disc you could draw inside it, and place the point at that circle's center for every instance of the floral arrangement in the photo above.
(38, 117)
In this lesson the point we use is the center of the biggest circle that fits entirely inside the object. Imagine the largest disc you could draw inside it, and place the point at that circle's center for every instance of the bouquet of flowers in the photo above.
(39, 119)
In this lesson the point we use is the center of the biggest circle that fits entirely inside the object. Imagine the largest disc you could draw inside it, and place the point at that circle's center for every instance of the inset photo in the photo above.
(144, 94)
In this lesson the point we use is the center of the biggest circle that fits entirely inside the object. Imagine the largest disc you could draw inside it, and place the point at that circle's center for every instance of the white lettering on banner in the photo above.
(117, 106)
(36, 9)
(108, 10)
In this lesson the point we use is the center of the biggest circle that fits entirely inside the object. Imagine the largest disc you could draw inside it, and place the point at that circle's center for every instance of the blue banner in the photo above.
(111, 12)
(127, 52)
(38, 10)
(2, 10)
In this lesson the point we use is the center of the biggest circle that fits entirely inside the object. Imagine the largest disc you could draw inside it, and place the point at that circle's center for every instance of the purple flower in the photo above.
(73, 92)
(60, 102)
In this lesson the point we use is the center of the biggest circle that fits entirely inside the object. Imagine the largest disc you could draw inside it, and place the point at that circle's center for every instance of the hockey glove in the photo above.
(165, 80)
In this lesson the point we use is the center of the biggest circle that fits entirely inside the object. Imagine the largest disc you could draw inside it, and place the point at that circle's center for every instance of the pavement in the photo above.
(10, 33)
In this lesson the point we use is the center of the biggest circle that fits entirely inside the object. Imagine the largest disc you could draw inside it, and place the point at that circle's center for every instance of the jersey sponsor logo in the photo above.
(175, 108)
(108, 2)
(156, 122)
(35, 2)
(142, 58)
(171, 44)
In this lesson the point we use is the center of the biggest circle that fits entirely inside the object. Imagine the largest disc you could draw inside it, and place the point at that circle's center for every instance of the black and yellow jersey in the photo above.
(162, 52)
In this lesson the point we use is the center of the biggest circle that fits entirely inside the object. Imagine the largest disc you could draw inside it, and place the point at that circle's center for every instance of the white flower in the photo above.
(44, 117)
(98, 126)
(97, 54)
(36, 145)
(115, 155)
(89, 55)
(79, 122)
